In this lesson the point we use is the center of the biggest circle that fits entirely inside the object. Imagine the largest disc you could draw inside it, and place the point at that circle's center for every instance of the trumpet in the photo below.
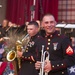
(43, 58)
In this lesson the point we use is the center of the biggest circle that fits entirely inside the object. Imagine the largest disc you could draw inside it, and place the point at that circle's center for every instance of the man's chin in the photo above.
(51, 31)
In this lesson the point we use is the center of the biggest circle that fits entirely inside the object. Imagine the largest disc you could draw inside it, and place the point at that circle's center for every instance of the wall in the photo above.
(2, 10)
(66, 11)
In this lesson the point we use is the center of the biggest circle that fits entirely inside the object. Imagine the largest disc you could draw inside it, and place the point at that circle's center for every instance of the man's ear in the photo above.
(42, 25)
(55, 23)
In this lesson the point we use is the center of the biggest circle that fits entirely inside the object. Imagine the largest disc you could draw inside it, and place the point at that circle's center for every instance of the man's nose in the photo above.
(49, 24)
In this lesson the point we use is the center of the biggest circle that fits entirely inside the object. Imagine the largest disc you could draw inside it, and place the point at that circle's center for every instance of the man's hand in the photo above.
(47, 66)
(1, 39)
(38, 65)
(19, 54)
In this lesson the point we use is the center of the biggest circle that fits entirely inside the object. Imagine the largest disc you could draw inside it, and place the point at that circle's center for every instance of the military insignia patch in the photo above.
(55, 45)
(30, 44)
(69, 50)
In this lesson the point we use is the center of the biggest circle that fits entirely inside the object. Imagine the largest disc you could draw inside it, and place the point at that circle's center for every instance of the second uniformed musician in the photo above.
(31, 54)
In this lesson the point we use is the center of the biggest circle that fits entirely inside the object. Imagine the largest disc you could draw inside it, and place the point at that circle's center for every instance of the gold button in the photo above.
(48, 43)
(58, 34)
(28, 57)
(53, 66)
(25, 57)
(0, 32)
(30, 62)
(45, 36)
(22, 56)
(38, 36)
(57, 65)
(62, 64)
(47, 48)
(50, 35)
(62, 72)
(48, 39)
(26, 51)
(27, 48)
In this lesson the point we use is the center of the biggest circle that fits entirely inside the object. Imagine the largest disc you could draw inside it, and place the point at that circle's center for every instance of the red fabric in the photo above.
(11, 66)
(51, 6)
(2, 67)
(18, 11)
(69, 50)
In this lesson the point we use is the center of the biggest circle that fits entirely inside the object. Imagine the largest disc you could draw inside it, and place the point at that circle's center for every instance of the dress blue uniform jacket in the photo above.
(61, 53)
(31, 55)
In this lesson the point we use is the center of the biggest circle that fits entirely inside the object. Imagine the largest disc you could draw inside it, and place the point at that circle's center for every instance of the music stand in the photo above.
(61, 27)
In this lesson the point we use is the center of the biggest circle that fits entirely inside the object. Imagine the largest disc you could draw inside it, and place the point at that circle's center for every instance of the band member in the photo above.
(3, 28)
(33, 50)
(59, 47)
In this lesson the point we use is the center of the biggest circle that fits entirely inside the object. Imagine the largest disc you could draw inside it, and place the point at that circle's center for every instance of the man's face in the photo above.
(32, 30)
(4, 24)
(49, 24)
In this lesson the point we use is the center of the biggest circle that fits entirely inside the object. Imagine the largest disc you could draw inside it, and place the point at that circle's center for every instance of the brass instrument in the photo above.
(11, 55)
(19, 47)
(43, 56)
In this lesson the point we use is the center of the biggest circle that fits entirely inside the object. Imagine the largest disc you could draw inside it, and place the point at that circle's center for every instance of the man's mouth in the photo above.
(49, 28)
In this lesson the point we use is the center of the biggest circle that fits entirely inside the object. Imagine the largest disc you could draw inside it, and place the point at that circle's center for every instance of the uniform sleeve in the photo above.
(68, 56)
(28, 56)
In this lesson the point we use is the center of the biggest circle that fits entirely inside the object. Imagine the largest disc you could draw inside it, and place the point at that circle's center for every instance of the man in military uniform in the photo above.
(2, 35)
(59, 47)
(3, 28)
(33, 50)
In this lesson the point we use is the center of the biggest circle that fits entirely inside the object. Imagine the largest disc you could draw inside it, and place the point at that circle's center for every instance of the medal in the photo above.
(55, 46)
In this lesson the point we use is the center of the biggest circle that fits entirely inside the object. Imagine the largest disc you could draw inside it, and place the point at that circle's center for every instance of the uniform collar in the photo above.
(33, 37)
(56, 33)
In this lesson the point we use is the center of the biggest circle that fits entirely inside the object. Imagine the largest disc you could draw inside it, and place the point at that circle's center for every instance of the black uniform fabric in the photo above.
(60, 59)
(2, 32)
(31, 55)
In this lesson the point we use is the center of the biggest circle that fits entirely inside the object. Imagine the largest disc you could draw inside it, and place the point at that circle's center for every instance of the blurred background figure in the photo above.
(73, 42)
(3, 28)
